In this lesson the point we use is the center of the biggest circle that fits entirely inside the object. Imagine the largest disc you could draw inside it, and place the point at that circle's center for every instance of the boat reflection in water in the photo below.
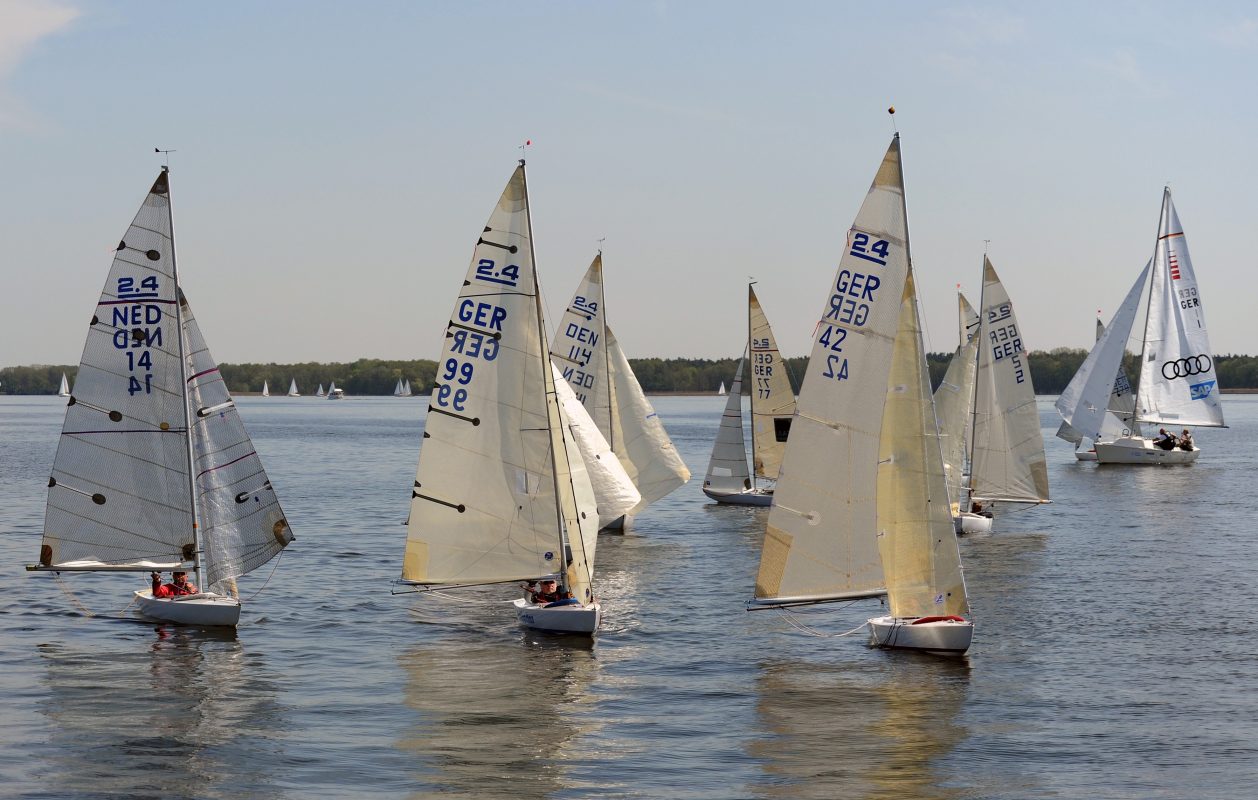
(497, 720)
(187, 716)
(860, 729)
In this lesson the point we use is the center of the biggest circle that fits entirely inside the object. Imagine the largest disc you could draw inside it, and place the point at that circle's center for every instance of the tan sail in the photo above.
(772, 399)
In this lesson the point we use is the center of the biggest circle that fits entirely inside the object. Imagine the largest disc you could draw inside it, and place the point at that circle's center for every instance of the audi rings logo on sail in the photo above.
(1186, 367)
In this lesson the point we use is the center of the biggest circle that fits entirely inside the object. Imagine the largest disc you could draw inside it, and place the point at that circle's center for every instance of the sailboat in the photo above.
(501, 493)
(266, 392)
(64, 391)
(591, 360)
(292, 389)
(772, 407)
(397, 390)
(721, 391)
(154, 470)
(954, 406)
(406, 388)
(1007, 462)
(1084, 400)
(335, 393)
(1178, 384)
(320, 392)
(838, 510)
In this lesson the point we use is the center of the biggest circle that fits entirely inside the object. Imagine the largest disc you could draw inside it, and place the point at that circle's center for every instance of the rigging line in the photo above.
(268, 577)
(74, 598)
(802, 628)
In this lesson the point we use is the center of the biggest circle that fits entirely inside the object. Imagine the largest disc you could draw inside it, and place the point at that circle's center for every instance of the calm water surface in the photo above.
(1116, 653)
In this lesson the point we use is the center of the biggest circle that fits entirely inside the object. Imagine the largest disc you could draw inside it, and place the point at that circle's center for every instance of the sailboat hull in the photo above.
(968, 522)
(1134, 450)
(559, 619)
(619, 524)
(948, 636)
(746, 497)
(206, 608)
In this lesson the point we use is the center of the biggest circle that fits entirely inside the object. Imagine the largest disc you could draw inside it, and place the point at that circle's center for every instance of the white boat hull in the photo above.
(619, 524)
(968, 522)
(746, 497)
(1134, 450)
(206, 608)
(950, 636)
(1085, 455)
(559, 619)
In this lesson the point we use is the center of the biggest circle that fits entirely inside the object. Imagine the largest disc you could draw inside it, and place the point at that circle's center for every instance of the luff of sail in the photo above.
(953, 399)
(921, 561)
(820, 543)
(727, 468)
(1178, 383)
(119, 493)
(242, 524)
(1085, 402)
(639, 438)
(614, 492)
(1008, 460)
(484, 506)
(772, 399)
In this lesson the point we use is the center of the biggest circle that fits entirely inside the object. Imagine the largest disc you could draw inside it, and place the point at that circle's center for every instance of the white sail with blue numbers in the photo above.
(1178, 382)
(501, 493)
(772, 399)
(821, 541)
(1007, 454)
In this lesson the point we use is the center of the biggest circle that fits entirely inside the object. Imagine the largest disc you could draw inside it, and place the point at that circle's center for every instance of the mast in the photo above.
(969, 455)
(183, 387)
(607, 363)
(1148, 306)
(751, 400)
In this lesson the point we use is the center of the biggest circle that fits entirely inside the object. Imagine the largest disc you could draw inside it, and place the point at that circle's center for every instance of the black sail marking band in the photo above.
(459, 507)
(453, 324)
(97, 497)
(473, 420)
(510, 248)
(114, 416)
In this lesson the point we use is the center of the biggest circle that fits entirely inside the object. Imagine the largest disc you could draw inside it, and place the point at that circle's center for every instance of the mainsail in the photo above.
(292, 388)
(1178, 383)
(1008, 448)
(821, 541)
(921, 561)
(772, 399)
(953, 401)
(727, 469)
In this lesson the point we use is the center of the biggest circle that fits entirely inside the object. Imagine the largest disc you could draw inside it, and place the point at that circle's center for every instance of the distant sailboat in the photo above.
(64, 391)
(590, 358)
(292, 389)
(1178, 383)
(154, 470)
(501, 493)
(772, 404)
(320, 392)
(721, 391)
(406, 388)
(266, 392)
(397, 390)
(860, 508)
(954, 407)
(335, 393)
(1084, 400)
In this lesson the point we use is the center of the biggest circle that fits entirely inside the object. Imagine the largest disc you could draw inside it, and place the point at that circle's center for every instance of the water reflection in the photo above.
(877, 728)
(497, 719)
(186, 715)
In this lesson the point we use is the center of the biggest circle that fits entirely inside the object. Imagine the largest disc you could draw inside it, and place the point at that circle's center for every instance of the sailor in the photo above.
(178, 586)
(1165, 441)
(547, 591)
(1185, 440)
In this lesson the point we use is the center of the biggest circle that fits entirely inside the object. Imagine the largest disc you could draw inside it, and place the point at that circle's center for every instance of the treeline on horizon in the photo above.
(1050, 372)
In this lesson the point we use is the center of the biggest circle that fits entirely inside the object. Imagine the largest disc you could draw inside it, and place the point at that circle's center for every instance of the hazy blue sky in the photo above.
(336, 160)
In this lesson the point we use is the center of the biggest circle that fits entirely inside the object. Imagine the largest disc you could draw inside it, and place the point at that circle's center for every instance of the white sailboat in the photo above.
(838, 512)
(590, 358)
(772, 407)
(266, 392)
(320, 392)
(335, 393)
(954, 406)
(406, 388)
(1089, 412)
(501, 493)
(721, 391)
(397, 390)
(64, 391)
(727, 468)
(154, 470)
(1007, 462)
(1178, 384)
(292, 389)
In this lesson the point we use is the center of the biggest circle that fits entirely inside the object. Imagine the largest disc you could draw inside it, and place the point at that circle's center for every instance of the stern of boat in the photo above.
(206, 609)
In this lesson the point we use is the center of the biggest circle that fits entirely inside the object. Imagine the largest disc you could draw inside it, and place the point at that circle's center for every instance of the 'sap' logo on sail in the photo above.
(1200, 391)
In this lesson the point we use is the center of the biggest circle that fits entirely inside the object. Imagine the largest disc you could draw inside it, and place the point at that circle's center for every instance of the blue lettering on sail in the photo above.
(1200, 391)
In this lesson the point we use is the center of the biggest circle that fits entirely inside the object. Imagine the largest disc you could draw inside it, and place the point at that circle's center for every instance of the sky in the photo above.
(335, 162)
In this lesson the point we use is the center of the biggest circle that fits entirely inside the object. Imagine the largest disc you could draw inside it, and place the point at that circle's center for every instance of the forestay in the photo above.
(953, 400)
(820, 543)
(920, 557)
(772, 399)
(638, 437)
(1008, 448)
(727, 469)
(484, 505)
(1087, 402)
(242, 524)
(119, 491)
(614, 491)
(1178, 383)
